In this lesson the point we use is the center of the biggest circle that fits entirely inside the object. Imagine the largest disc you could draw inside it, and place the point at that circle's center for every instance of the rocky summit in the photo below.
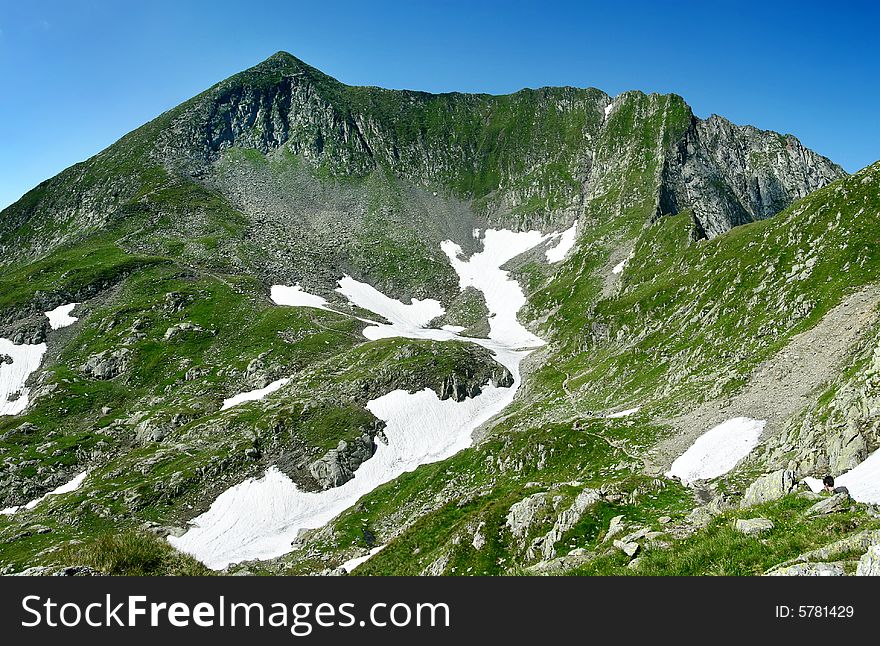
(293, 326)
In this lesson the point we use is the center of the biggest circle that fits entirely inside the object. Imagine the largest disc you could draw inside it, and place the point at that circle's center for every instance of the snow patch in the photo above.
(718, 450)
(60, 317)
(453, 328)
(618, 268)
(67, 487)
(608, 109)
(296, 297)
(259, 518)
(351, 564)
(815, 484)
(564, 246)
(623, 413)
(410, 317)
(863, 481)
(25, 360)
(254, 395)
(504, 297)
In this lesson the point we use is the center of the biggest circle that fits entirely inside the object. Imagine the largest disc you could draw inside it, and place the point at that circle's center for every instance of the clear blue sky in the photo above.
(77, 75)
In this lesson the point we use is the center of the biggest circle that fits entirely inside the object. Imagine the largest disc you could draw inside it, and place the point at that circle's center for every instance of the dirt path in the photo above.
(784, 384)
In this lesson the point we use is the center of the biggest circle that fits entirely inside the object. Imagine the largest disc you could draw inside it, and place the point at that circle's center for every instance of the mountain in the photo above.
(475, 331)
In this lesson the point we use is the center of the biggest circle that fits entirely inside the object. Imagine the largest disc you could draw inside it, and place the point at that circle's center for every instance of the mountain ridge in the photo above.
(691, 252)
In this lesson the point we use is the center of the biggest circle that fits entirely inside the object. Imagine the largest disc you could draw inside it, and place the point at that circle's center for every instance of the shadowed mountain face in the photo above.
(705, 257)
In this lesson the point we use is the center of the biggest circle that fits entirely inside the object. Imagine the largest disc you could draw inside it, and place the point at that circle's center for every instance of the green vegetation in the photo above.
(131, 553)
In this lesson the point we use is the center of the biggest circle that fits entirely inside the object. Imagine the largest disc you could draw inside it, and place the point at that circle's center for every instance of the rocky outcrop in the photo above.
(546, 545)
(731, 175)
(810, 569)
(337, 466)
(772, 486)
(837, 502)
(753, 526)
(869, 564)
(527, 513)
(179, 329)
(854, 543)
(107, 364)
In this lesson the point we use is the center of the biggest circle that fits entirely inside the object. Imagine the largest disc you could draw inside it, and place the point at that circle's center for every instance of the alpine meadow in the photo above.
(294, 326)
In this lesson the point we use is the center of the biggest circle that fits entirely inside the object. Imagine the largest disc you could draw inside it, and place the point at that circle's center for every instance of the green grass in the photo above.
(131, 553)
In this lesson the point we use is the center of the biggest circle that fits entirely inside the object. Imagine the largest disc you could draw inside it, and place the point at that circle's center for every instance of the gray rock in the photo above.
(772, 486)
(107, 364)
(869, 564)
(5, 359)
(562, 564)
(545, 545)
(527, 512)
(855, 543)
(181, 328)
(615, 527)
(810, 569)
(628, 548)
(837, 502)
(753, 526)
(848, 449)
(337, 466)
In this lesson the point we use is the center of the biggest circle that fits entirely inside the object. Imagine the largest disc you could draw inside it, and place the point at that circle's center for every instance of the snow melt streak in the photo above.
(259, 518)
(718, 450)
(67, 487)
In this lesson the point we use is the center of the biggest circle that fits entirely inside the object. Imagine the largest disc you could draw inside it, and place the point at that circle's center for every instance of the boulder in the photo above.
(181, 328)
(753, 526)
(837, 502)
(630, 549)
(615, 527)
(337, 466)
(523, 515)
(107, 364)
(810, 569)
(772, 486)
(869, 564)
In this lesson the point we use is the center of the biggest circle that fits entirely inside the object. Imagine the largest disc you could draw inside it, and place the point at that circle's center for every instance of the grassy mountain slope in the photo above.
(171, 238)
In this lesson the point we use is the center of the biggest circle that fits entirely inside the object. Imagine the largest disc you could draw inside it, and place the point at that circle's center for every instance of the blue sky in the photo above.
(77, 75)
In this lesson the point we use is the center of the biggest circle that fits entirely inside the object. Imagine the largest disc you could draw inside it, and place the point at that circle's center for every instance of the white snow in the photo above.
(351, 564)
(619, 266)
(608, 109)
(253, 395)
(476, 234)
(295, 296)
(60, 317)
(718, 450)
(815, 484)
(25, 360)
(623, 413)
(259, 518)
(863, 481)
(504, 297)
(564, 246)
(401, 316)
(453, 328)
(67, 487)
